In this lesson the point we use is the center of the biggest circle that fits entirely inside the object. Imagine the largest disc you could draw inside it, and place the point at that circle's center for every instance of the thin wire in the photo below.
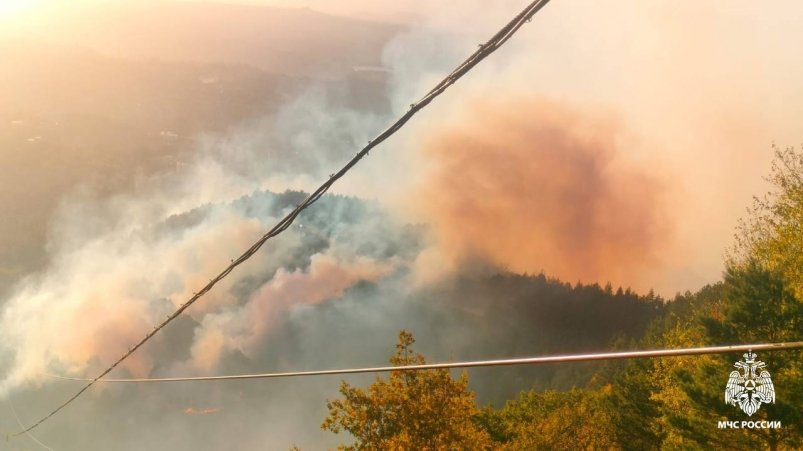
(16, 417)
(484, 50)
(477, 363)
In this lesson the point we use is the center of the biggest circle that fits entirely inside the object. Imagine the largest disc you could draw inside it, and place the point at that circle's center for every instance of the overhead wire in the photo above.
(472, 364)
(19, 422)
(494, 43)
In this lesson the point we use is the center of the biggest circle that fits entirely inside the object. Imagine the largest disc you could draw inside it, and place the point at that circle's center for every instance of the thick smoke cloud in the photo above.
(127, 277)
(244, 328)
(537, 186)
(97, 298)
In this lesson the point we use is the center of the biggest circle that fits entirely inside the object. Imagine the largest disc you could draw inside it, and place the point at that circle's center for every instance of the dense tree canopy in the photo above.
(757, 306)
(578, 419)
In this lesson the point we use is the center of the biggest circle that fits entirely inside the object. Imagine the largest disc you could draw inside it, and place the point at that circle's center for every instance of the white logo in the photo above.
(749, 389)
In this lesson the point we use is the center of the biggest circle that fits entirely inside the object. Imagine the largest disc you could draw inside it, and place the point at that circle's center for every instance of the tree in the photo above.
(577, 419)
(759, 301)
(421, 410)
(633, 410)
(773, 233)
(757, 306)
(680, 327)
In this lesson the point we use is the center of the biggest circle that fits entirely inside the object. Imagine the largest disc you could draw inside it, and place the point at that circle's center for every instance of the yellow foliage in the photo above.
(421, 410)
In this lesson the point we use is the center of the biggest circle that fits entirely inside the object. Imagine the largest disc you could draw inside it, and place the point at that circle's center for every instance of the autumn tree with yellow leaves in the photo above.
(772, 235)
(421, 410)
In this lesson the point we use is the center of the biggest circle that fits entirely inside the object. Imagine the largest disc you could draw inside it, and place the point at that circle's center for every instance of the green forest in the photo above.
(670, 403)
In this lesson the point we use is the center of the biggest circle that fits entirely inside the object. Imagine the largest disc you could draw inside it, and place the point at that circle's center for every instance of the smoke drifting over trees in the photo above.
(580, 152)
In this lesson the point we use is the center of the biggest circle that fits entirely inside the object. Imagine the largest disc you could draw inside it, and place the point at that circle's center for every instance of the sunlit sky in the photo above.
(9, 7)
(378, 9)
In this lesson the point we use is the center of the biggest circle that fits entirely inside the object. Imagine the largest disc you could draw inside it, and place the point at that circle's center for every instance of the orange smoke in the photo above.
(194, 411)
(535, 186)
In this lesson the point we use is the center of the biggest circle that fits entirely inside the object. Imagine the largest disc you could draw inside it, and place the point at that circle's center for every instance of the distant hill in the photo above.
(97, 94)
(293, 41)
(57, 81)
(70, 116)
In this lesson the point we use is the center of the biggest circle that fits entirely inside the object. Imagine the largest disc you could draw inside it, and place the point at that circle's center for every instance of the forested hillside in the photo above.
(663, 403)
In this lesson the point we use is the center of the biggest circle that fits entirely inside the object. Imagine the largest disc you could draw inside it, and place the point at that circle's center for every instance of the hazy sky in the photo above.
(380, 9)
(698, 91)
(407, 11)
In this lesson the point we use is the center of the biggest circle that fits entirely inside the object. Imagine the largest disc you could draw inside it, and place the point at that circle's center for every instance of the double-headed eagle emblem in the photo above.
(749, 389)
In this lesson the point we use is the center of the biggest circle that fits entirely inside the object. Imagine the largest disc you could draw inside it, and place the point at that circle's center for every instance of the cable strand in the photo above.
(655, 353)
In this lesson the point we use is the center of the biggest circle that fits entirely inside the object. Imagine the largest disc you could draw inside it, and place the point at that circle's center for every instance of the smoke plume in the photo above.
(534, 185)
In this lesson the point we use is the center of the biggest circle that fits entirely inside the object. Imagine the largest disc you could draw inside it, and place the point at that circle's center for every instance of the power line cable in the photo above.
(474, 364)
(482, 52)
(19, 422)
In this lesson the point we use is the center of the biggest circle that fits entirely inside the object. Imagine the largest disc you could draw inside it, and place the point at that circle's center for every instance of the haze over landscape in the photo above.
(144, 145)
